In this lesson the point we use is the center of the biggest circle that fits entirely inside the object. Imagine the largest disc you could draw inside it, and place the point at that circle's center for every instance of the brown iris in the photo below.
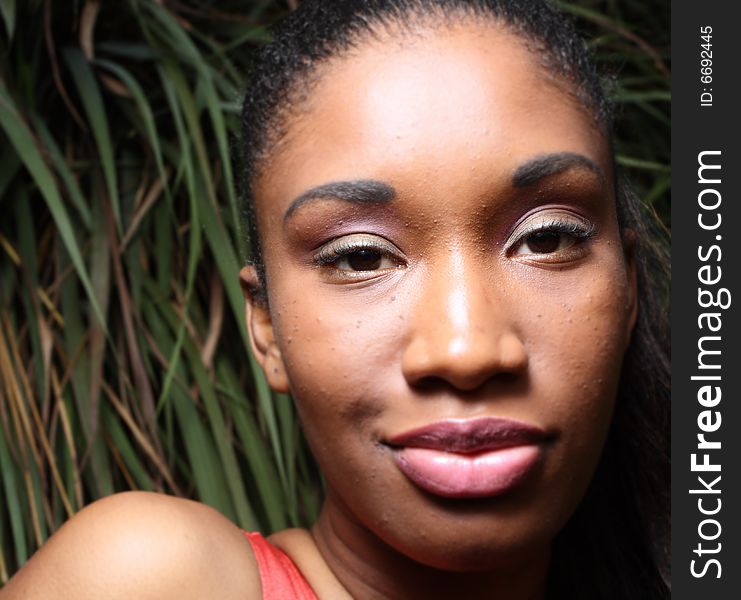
(543, 242)
(364, 260)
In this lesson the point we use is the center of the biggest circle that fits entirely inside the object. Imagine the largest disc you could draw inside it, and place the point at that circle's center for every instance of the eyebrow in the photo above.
(546, 165)
(362, 191)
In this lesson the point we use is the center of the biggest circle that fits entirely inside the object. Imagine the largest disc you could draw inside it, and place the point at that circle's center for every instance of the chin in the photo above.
(476, 535)
(471, 556)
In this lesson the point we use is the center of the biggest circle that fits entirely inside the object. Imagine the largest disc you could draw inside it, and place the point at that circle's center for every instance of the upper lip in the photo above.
(466, 436)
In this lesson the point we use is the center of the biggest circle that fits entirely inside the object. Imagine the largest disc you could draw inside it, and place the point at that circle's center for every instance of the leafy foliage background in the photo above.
(123, 355)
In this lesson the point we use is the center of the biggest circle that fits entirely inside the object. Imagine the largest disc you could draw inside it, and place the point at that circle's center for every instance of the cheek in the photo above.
(576, 345)
(576, 324)
(337, 355)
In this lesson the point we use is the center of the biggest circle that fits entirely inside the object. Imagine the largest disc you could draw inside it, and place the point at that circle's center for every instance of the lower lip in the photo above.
(453, 475)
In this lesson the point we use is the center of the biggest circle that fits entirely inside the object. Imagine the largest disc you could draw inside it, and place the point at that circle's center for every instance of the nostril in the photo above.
(432, 384)
(508, 378)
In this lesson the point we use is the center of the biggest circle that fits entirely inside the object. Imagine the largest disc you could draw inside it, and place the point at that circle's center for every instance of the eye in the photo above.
(551, 236)
(545, 242)
(363, 259)
(359, 254)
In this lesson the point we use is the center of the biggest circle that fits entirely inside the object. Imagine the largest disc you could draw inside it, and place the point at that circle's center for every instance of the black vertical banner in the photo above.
(706, 400)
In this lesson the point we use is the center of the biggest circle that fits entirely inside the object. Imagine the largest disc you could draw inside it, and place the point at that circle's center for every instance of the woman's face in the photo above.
(449, 296)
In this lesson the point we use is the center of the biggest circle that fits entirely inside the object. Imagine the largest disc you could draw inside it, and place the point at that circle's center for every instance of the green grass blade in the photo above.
(244, 513)
(195, 230)
(262, 467)
(62, 168)
(145, 111)
(23, 141)
(8, 12)
(129, 456)
(27, 246)
(92, 100)
(13, 502)
(10, 164)
(202, 456)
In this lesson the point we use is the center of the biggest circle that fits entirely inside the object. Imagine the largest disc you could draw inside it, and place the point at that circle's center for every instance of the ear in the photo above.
(261, 332)
(629, 239)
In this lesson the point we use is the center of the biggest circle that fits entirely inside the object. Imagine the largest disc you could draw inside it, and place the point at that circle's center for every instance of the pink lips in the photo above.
(472, 458)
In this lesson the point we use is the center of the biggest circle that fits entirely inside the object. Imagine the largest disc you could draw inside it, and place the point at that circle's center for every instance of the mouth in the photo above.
(469, 458)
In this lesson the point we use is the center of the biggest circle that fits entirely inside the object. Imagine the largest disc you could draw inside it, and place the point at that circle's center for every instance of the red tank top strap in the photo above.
(279, 576)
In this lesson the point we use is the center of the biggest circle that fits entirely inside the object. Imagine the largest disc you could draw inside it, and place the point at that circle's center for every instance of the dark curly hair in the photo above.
(616, 545)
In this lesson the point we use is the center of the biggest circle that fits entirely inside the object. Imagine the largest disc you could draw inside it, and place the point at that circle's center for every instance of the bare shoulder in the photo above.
(141, 545)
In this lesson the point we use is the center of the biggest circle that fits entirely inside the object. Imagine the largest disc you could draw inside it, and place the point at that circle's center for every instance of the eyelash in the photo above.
(580, 230)
(567, 228)
(336, 250)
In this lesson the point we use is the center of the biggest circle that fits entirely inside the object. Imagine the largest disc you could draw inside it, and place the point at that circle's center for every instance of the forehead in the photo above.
(430, 104)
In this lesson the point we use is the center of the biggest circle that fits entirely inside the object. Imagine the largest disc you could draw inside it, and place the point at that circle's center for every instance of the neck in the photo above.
(370, 569)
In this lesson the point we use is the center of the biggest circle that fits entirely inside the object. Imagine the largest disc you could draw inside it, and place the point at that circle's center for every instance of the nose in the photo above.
(460, 331)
